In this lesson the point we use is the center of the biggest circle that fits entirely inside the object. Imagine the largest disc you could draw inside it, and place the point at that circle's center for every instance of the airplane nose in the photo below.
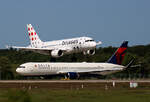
(93, 44)
(17, 70)
(21, 71)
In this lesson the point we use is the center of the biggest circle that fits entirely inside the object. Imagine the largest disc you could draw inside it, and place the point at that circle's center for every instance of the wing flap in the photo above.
(29, 48)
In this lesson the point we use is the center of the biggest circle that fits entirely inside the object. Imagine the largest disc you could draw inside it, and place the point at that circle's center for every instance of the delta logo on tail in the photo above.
(118, 57)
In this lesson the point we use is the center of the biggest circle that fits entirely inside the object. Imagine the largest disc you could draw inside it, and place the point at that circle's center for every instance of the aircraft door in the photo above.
(81, 45)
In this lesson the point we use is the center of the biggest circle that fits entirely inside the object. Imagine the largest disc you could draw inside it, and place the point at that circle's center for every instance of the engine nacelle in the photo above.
(73, 75)
(57, 53)
(90, 52)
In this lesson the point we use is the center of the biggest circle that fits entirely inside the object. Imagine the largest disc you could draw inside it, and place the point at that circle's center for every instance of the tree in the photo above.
(5, 68)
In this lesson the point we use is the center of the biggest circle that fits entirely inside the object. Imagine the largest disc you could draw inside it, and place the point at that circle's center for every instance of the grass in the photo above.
(82, 95)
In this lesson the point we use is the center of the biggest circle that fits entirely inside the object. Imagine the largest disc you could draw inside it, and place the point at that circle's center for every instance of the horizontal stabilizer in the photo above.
(130, 63)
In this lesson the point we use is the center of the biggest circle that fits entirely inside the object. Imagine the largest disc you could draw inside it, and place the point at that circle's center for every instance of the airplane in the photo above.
(73, 70)
(58, 48)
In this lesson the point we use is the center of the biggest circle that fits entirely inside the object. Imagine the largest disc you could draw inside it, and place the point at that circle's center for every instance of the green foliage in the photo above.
(75, 95)
(5, 68)
(11, 59)
(15, 95)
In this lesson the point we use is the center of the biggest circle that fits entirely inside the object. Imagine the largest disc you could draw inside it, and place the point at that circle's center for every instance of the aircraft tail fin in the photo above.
(33, 36)
(118, 56)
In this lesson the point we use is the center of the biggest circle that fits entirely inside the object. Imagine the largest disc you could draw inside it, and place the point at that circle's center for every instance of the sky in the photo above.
(109, 21)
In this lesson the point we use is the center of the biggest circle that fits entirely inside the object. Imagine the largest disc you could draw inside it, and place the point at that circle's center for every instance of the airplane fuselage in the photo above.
(58, 48)
(37, 69)
(68, 46)
(72, 70)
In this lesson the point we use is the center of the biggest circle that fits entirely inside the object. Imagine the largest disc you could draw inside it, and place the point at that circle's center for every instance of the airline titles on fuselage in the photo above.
(70, 42)
(50, 67)
(53, 67)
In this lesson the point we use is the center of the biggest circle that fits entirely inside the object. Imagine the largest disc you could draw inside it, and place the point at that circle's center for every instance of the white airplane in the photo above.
(72, 70)
(59, 48)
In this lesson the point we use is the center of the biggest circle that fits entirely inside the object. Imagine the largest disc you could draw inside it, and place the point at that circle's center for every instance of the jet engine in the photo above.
(90, 52)
(73, 75)
(57, 53)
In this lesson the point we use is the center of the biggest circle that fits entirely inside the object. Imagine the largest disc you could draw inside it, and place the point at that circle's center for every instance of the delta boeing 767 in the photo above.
(73, 70)
(59, 48)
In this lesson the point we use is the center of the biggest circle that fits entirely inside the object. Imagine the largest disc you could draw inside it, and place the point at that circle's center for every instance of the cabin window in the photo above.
(89, 40)
(21, 66)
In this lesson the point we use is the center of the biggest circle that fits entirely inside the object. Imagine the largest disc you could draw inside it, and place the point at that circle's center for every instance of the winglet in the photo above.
(7, 46)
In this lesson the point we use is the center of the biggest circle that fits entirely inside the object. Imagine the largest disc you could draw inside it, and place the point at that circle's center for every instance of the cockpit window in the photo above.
(21, 66)
(89, 40)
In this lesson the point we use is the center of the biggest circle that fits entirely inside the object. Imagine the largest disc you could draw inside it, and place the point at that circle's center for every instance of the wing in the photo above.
(33, 48)
(81, 71)
(30, 48)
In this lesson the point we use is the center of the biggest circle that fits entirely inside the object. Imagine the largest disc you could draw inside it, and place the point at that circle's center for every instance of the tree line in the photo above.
(11, 59)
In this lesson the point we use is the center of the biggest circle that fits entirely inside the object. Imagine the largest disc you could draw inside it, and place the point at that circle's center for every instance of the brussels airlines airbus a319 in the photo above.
(59, 48)
(73, 70)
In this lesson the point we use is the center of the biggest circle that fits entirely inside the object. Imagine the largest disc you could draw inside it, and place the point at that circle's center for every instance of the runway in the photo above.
(71, 81)
(72, 84)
